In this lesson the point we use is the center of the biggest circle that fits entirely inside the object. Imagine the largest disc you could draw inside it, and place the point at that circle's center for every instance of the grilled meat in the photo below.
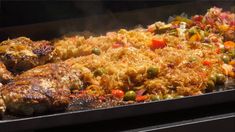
(5, 75)
(42, 88)
(22, 53)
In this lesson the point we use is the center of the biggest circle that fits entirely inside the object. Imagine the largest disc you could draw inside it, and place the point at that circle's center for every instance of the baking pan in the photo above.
(88, 116)
(98, 25)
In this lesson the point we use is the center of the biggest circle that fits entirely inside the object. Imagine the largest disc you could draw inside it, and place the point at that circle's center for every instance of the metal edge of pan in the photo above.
(87, 116)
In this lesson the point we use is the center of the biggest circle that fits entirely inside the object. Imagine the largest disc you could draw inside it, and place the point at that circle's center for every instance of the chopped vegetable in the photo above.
(195, 37)
(192, 30)
(226, 58)
(157, 44)
(206, 63)
(96, 51)
(179, 96)
(229, 44)
(223, 27)
(155, 97)
(213, 77)
(232, 62)
(151, 28)
(220, 78)
(197, 18)
(130, 95)
(192, 59)
(168, 96)
(141, 98)
(98, 72)
(231, 53)
(183, 19)
(164, 28)
(117, 93)
(152, 72)
(210, 86)
(117, 45)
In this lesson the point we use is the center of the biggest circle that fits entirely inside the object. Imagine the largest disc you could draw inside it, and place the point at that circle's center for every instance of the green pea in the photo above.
(98, 72)
(210, 86)
(96, 51)
(220, 78)
(213, 78)
(130, 95)
(231, 53)
(192, 59)
(152, 72)
(226, 58)
(155, 97)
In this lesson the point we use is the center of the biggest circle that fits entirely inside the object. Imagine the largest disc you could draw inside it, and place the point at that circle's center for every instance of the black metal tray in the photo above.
(101, 24)
(88, 116)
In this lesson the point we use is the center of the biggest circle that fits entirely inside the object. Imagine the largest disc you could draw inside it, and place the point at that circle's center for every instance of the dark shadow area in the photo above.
(27, 12)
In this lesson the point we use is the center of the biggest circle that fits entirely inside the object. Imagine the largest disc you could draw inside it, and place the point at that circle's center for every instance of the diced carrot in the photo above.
(141, 98)
(223, 28)
(206, 63)
(231, 74)
(157, 44)
(232, 62)
(229, 44)
(218, 51)
(195, 37)
(118, 93)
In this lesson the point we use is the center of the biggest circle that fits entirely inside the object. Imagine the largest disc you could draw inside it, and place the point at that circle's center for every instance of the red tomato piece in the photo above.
(157, 44)
(206, 63)
(117, 93)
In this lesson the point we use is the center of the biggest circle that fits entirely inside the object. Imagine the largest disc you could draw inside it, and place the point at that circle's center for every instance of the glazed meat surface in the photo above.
(42, 88)
(22, 53)
(5, 75)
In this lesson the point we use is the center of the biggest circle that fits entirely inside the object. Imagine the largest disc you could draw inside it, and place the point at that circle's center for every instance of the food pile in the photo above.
(185, 57)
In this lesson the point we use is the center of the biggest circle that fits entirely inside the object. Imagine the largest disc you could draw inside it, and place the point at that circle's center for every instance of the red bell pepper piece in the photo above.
(157, 44)
(141, 98)
(117, 93)
(206, 63)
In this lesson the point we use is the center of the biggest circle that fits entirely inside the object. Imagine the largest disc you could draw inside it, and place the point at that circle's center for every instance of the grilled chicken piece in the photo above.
(2, 107)
(22, 53)
(43, 88)
(5, 75)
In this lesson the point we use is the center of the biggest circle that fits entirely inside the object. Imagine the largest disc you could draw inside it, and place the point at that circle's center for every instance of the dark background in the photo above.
(26, 12)
(47, 19)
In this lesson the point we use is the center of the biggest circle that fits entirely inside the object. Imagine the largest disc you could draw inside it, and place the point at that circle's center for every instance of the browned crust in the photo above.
(21, 54)
(42, 88)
